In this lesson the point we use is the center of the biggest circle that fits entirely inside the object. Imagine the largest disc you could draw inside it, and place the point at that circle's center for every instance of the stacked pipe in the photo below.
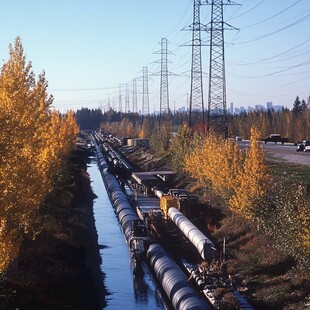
(123, 209)
(101, 161)
(204, 245)
(180, 292)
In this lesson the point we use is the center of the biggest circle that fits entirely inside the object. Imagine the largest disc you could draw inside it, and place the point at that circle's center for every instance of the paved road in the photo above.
(286, 152)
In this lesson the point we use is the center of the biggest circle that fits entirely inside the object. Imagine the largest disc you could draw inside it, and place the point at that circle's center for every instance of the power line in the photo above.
(260, 37)
(273, 16)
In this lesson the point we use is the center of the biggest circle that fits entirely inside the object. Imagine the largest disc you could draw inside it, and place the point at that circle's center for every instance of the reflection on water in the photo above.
(130, 286)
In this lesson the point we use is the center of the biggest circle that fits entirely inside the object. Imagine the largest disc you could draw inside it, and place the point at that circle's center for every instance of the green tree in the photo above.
(297, 106)
(181, 145)
(285, 215)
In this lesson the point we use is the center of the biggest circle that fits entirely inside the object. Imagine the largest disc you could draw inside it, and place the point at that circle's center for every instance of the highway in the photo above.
(286, 152)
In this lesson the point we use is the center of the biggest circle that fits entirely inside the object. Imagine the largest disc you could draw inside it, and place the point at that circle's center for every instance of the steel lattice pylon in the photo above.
(127, 108)
(120, 103)
(164, 92)
(196, 104)
(164, 108)
(134, 96)
(145, 93)
(217, 117)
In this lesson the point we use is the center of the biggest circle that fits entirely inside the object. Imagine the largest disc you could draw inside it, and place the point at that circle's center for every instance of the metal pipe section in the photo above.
(134, 229)
(204, 245)
(158, 193)
(180, 292)
(123, 209)
(101, 161)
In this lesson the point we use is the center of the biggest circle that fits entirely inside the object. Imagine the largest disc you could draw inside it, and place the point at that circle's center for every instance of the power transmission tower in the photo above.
(120, 103)
(217, 113)
(196, 103)
(134, 96)
(127, 109)
(145, 93)
(108, 104)
(164, 73)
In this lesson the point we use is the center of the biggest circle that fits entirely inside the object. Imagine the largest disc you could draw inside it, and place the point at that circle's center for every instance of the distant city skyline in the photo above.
(235, 110)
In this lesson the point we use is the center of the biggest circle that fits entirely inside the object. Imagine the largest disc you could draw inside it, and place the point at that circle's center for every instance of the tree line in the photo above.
(293, 124)
(35, 141)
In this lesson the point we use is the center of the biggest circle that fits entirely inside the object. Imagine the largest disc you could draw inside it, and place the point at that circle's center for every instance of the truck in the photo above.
(275, 137)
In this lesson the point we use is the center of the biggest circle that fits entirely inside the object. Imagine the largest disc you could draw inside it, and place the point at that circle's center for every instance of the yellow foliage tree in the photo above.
(252, 181)
(215, 163)
(32, 140)
(220, 164)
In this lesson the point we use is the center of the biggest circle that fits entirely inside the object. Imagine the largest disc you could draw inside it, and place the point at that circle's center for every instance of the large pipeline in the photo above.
(204, 245)
(134, 229)
(180, 292)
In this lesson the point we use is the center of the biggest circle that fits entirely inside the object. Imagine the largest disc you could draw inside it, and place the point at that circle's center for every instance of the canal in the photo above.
(126, 288)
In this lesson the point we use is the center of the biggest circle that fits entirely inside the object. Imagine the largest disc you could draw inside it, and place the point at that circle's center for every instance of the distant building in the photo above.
(182, 109)
(250, 109)
(259, 107)
(278, 108)
(269, 105)
(239, 110)
(231, 110)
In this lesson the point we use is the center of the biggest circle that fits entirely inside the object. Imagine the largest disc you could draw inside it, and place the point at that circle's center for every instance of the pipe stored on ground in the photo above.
(203, 244)
(180, 292)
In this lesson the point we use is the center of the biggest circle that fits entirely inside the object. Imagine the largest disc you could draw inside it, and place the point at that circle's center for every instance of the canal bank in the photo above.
(126, 287)
(59, 267)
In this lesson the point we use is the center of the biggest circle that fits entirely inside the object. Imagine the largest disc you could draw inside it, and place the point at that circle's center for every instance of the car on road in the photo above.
(304, 146)
(238, 138)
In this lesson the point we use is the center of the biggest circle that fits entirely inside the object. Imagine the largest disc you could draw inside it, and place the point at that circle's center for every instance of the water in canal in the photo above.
(126, 291)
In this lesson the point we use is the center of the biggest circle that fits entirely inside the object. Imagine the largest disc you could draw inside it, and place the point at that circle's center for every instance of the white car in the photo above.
(304, 146)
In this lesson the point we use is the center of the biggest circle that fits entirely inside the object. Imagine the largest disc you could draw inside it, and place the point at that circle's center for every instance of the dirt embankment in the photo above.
(60, 268)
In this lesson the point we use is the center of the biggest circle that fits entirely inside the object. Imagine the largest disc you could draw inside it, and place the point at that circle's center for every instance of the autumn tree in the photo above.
(215, 163)
(238, 178)
(252, 180)
(31, 147)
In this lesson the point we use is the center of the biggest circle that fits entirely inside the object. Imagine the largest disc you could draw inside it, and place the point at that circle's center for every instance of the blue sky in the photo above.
(88, 48)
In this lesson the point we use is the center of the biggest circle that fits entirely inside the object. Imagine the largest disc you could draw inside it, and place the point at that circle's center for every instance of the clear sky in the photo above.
(88, 48)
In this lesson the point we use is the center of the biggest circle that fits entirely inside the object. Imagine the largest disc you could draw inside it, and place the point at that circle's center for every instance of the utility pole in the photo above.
(217, 112)
(196, 104)
(145, 93)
